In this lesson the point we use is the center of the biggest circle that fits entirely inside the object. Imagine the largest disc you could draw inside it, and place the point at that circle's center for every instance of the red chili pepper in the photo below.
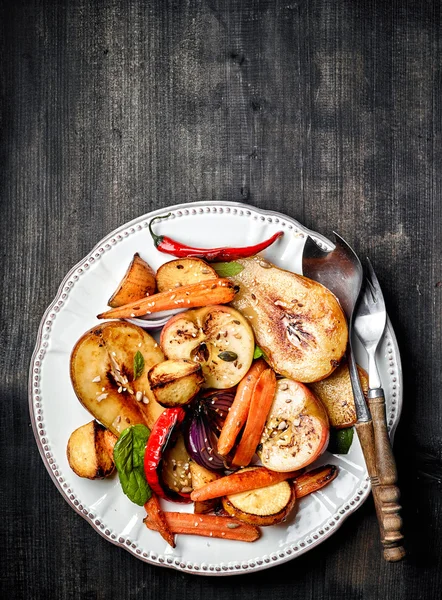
(157, 442)
(169, 246)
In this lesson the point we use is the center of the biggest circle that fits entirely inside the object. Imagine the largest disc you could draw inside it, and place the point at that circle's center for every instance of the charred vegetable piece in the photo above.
(298, 323)
(183, 271)
(205, 293)
(138, 282)
(200, 477)
(296, 431)
(264, 506)
(103, 370)
(336, 395)
(170, 246)
(225, 528)
(166, 425)
(87, 452)
(175, 469)
(175, 382)
(203, 426)
(203, 335)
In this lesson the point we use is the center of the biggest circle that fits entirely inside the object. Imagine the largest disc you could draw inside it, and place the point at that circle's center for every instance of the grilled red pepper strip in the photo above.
(169, 246)
(156, 444)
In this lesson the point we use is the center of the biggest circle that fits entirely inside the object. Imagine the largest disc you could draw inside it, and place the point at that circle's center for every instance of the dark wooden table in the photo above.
(327, 111)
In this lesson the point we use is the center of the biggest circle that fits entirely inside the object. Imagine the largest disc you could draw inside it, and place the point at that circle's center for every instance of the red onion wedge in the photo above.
(203, 427)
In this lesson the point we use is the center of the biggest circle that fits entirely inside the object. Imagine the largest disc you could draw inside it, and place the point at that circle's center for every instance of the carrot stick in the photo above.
(227, 528)
(239, 410)
(156, 516)
(241, 481)
(260, 405)
(314, 480)
(204, 293)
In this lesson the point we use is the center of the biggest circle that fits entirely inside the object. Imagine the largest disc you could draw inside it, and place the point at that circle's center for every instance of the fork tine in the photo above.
(375, 286)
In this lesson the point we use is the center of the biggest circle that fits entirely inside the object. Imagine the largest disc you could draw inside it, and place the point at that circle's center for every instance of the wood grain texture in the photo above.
(327, 111)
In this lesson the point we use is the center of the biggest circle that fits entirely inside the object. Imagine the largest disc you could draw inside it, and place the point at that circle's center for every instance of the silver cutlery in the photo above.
(340, 270)
(369, 325)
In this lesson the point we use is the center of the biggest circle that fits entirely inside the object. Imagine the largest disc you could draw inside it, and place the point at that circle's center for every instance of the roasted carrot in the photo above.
(204, 293)
(237, 415)
(156, 516)
(314, 480)
(227, 528)
(241, 481)
(262, 399)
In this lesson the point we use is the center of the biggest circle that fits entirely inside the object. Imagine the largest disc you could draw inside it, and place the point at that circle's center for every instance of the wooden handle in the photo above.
(389, 493)
(387, 511)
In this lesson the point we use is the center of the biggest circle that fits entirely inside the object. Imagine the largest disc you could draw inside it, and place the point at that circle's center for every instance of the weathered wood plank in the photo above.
(327, 111)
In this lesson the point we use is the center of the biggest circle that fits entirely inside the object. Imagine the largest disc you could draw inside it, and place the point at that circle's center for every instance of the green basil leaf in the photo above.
(340, 440)
(138, 364)
(129, 461)
(227, 269)
(228, 356)
(258, 353)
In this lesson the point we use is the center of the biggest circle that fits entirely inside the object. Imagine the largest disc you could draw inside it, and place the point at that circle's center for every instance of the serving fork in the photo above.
(369, 325)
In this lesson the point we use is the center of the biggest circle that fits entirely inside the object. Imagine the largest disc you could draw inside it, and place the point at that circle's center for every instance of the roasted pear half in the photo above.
(297, 322)
(103, 377)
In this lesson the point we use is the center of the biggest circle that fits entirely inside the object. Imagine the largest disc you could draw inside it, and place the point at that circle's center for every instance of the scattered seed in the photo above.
(96, 379)
(139, 396)
(264, 264)
(282, 425)
(101, 397)
(288, 400)
(232, 526)
(186, 489)
(132, 314)
(205, 271)
(120, 389)
(145, 400)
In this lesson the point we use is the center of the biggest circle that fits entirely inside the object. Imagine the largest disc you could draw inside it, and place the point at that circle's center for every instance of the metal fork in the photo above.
(369, 325)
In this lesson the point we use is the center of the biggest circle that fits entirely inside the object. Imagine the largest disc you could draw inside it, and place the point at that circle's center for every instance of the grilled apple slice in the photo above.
(183, 271)
(297, 322)
(263, 506)
(87, 451)
(218, 338)
(138, 282)
(175, 382)
(336, 395)
(102, 374)
(297, 429)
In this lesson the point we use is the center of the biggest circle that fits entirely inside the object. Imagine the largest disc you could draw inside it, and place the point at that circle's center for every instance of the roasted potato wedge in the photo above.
(201, 476)
(336, 395)
(175, 382)
(87, 452)
(264, 506)
(183, 271)
(102, 374)
(138, 282)
(297, 322)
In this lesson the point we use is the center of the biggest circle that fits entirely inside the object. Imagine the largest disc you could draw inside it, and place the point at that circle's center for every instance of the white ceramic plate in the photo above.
(56, 412)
